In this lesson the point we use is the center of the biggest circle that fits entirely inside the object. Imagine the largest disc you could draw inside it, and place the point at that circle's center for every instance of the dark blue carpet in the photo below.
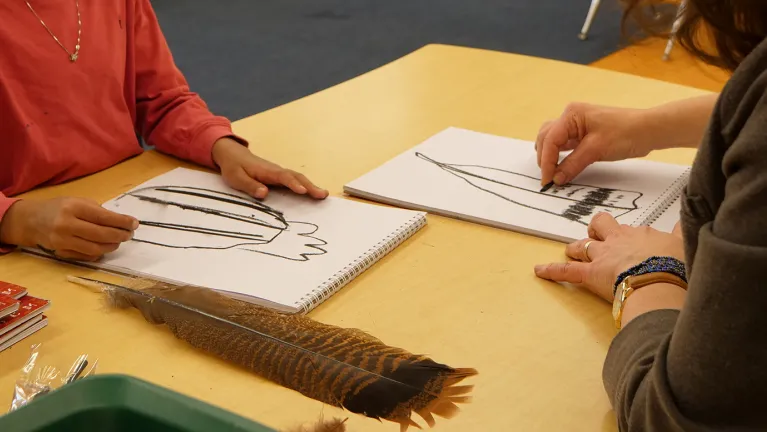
(247, 56)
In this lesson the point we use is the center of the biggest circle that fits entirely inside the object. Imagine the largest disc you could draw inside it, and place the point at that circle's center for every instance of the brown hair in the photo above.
(719, 32)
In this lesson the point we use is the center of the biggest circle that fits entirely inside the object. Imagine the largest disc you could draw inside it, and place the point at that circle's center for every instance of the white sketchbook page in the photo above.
(669, 218)
(496, 181)
(281, 266)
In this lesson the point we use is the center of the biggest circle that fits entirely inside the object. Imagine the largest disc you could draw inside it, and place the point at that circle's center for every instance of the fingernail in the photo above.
(135, 224)
(538, 269)
(560, 178)
(301, 189)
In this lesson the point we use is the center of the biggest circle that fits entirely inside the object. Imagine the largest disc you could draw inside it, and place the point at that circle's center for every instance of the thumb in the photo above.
(573, 164)
(240, 180)
(677, 231)
(571, 126)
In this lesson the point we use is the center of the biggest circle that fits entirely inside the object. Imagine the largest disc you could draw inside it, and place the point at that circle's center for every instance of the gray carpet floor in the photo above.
(247, 56)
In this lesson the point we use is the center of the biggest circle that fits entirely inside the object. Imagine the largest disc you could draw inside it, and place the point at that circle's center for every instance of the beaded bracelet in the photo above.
(656, 264)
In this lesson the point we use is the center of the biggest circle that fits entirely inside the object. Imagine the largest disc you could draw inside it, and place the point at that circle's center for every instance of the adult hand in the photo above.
(593, 133)
(72, 228)
(614, 249)
(244, 171)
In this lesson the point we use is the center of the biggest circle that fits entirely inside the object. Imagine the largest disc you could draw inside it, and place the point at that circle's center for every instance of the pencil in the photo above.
(547, 187)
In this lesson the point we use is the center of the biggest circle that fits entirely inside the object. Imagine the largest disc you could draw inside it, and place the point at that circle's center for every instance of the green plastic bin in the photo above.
(118, 403)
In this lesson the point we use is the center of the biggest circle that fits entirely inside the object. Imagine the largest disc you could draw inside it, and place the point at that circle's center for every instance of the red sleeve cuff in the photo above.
(201, 147)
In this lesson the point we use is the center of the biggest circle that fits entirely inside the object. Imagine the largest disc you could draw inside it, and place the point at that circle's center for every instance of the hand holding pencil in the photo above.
(593, 133)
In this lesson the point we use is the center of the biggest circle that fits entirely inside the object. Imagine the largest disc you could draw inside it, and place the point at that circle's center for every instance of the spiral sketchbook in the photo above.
(495, 181)
(287, 252)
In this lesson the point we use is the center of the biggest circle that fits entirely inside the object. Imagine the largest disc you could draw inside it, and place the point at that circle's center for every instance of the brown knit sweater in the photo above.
(705, 368)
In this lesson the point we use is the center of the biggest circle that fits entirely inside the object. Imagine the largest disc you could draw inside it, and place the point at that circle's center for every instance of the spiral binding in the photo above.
(663, 202)
(362, 263)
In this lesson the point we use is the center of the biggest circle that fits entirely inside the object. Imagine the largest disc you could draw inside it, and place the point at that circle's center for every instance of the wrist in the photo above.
(216, 151)
(679, 124)
(647, 128)
(14, 227)
(223, 148)
(635, 284)
(653, 297)
(655, 264)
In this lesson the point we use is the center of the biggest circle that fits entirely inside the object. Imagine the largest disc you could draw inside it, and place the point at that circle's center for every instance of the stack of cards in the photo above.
(11, 290)
(8, 305)
(20, 314)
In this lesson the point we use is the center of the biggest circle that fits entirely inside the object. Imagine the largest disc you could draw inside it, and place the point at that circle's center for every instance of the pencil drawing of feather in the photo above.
(574, 202)
(341, 367)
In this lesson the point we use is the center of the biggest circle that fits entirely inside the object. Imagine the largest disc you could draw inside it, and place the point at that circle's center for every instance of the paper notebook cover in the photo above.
(29, 308)
(10, 334)
(12, 290)
(26, 332)
(287, 252)
(495, 181)
(8, 305)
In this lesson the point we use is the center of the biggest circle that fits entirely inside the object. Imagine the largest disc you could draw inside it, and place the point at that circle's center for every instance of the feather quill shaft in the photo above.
(346, 368)
(172, 303)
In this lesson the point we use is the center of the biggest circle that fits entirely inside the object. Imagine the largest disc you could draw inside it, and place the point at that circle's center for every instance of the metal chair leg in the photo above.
(674, 29)
(589, 19)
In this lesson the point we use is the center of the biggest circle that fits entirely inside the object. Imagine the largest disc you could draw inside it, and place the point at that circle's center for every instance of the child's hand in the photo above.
(244, 171)
(72, 228)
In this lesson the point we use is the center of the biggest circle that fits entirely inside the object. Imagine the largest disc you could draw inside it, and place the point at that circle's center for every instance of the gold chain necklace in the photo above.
(72, 56)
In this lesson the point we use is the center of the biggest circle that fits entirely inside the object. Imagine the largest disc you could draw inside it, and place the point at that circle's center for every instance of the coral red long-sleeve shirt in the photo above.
(61, 120)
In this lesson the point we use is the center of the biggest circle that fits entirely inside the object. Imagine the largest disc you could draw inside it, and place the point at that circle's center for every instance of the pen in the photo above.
(547, 187)
(78, 372)
(77, 369)
(91, 371)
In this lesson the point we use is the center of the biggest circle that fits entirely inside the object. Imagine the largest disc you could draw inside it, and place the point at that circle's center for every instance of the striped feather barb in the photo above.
(346, 368)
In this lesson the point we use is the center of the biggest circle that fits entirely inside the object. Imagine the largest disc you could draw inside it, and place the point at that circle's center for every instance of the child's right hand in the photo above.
(74, 228)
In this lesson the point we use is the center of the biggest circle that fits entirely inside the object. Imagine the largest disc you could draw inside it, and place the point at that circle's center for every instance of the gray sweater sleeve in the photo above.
(705, 368)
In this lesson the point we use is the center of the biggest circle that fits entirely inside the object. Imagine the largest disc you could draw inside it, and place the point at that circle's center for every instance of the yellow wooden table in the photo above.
(462, 293)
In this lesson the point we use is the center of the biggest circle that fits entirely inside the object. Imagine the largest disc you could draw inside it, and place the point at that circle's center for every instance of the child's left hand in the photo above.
(244, 171)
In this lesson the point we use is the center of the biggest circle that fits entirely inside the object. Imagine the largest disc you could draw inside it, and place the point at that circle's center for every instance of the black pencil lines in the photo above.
(574, 202)
(225, 221)
(202, 230)
(255, 206)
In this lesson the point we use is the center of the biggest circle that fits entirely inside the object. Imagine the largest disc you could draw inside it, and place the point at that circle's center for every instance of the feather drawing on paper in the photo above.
(574, 202)
(217, 220)
(342, 367)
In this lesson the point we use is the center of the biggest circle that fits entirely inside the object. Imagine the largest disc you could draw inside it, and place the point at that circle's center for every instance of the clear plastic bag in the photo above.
(37, 379)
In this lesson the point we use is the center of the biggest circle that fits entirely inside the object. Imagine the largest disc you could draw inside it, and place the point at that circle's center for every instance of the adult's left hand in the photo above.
(614, 248)
(244, 171)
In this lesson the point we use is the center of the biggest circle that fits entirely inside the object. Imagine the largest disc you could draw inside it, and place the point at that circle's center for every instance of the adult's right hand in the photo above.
(593, 133)
(75, 228)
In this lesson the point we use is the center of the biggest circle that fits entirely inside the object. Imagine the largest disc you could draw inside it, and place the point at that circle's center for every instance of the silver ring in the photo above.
(586, 250)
